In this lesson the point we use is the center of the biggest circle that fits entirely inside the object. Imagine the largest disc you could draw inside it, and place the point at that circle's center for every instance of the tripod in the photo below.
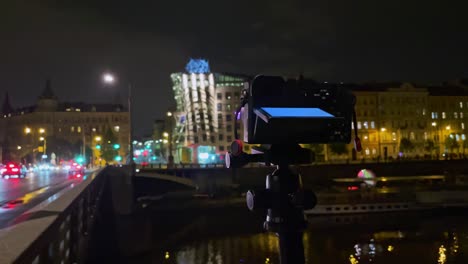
(283, 197)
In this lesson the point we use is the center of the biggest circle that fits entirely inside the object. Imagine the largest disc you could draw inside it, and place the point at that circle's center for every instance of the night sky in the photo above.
(142, 42)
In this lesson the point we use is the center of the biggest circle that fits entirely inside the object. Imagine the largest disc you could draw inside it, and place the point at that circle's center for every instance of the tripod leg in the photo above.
(291, 247)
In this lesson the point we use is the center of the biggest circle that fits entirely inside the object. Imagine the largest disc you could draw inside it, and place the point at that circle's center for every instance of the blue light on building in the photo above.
(197, 66)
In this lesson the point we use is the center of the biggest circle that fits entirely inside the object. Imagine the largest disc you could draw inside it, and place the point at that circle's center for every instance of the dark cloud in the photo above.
(144, 41)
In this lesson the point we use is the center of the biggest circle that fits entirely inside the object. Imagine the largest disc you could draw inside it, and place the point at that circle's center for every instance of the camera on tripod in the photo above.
(281, 114)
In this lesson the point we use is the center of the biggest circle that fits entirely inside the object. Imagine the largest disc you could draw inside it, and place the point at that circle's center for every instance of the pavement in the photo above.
(18, 195)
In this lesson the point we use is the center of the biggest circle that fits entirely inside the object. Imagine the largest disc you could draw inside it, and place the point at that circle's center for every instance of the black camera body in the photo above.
(280, 111)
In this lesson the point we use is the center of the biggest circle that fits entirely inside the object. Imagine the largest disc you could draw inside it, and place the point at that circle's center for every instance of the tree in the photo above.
(338, 148)
(406, 145)
(429, 146)
(451, 143)
(108, 151)
(61, 147)
(317, 149)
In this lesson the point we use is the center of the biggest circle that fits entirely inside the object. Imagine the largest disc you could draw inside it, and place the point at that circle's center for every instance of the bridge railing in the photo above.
(59, 232)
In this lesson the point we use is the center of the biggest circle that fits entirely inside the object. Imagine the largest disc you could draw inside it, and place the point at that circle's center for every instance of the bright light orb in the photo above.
(108, 78)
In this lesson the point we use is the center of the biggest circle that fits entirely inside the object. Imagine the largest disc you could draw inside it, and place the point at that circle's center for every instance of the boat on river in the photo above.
(391, 194)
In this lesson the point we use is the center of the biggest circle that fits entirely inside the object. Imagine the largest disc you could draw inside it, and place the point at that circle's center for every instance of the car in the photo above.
(76, 168)
(12, 169)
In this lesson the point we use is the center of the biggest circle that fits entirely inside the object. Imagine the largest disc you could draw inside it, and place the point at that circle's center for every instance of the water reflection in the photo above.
(407, 238)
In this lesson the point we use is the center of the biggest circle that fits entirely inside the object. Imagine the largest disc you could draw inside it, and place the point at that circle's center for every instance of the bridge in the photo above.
(107, 215)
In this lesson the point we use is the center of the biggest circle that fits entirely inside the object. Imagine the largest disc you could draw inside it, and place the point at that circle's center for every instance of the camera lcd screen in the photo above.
(292, 112)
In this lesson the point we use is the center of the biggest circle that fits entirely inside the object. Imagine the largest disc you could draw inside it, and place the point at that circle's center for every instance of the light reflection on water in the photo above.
(404, 238)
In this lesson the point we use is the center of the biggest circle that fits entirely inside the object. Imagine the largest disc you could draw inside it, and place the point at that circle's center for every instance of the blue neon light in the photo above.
(295, 112)
(197, 66)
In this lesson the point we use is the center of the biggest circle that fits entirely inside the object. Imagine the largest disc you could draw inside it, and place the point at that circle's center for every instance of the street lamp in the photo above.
(41, 131)
(169, 114)
(109, 78)
(165, 134)
(27, 130)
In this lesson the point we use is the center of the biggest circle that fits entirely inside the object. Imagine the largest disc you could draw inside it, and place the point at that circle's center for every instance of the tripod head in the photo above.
(284, 196)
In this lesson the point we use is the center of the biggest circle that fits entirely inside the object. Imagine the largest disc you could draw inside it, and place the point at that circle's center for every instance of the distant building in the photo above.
(206, 103)
(21, 129)
(389, 112)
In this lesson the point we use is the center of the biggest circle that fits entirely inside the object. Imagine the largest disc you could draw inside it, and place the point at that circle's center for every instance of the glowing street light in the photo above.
(447, 127)
(27, 130)
(98, 138)
(165, 134)
(383, 129)
(108, 78)
(169, 113)
(434, 124)
(41, 130)
(18, 147)
(41, 138)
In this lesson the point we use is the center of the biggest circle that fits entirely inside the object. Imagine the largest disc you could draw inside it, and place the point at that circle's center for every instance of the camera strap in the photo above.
(244, 100)
(357, 140)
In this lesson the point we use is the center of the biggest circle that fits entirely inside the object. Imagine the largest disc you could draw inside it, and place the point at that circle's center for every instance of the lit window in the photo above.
(78, 110)
(393, 136)
(443, 115)
(433, 115)
(372, 124)
(72, 129)
(228, 107)
(457, 137)
(424, 111)
(461, 104)
(463, 137)
(228, 96)
(68, 109)
(412, 135)
(352, 125)
(116, 128)
(94, 129)
(367, 151)
(366, 125)
(455, 115)
(374, 151)
(462, 125)
(359, 125)
(461, 115)
(425, 135)
(78, 129)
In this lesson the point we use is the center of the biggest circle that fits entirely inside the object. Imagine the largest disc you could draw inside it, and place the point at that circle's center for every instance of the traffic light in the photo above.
(118, 158)
(98, 147)
(116, 146)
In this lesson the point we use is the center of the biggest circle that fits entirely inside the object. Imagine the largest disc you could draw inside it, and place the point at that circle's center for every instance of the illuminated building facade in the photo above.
(22, 130)
(206, 103)
(388, 113)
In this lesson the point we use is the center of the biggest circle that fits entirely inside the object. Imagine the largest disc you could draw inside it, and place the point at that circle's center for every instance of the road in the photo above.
(19, 195)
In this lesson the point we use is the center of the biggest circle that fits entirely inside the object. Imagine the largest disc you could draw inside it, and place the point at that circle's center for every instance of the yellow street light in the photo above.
(383, 129)
(18, 147)
(27, 130)
(434, 124)
(41, 138)
(41, 130)
(447, 127)
(98, 138)
(165, 134)
(165, 141)
(169, 113)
